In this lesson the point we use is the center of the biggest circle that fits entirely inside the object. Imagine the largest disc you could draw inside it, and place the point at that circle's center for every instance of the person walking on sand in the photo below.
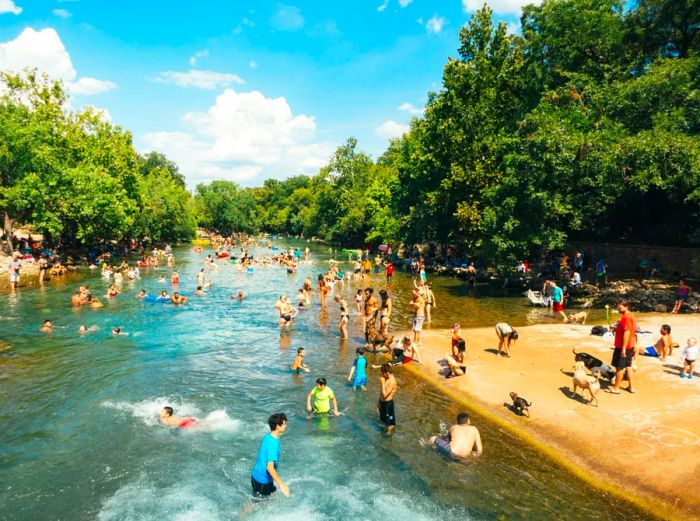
(387, 391)
(462, 441)
(683, 293)
(625, 347)
(264, 476)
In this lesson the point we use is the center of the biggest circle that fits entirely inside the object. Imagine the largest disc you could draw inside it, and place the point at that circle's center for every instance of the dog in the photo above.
(377, 342)
(595, 365)
(520, 405)
(582, 380)
(578, 318)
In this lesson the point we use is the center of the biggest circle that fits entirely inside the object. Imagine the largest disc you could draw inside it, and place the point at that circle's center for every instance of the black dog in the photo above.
(595, 365)
(520, 405)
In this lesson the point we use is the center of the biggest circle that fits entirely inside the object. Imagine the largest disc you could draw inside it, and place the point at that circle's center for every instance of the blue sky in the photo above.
(244, 90)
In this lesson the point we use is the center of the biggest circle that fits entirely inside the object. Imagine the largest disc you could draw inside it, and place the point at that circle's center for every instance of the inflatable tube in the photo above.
(275, 248)
(153, 298)
(201, 242)
(250, 270)
(222, 255)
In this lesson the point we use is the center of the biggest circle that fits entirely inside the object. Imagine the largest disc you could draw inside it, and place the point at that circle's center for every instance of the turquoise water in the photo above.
(80, 439)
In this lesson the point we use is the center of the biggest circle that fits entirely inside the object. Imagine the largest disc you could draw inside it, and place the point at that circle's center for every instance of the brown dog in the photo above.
(582, 380)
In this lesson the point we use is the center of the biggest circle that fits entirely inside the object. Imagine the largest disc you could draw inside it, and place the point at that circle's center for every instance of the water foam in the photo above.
(148, 411)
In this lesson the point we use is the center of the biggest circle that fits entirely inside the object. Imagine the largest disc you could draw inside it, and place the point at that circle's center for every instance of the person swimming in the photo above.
(47, 327)
(298, 364)
(166, 416)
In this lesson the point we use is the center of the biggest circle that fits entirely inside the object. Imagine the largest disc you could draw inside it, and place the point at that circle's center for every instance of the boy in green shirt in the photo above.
(322, 396)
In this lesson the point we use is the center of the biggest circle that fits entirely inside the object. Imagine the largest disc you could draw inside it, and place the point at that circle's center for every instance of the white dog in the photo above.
(582, 380)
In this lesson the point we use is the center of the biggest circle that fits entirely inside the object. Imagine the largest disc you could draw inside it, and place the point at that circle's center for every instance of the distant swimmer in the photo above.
(166, 416)
(47, 327)
(161, 279)
(322, 396)
(164, 294)
(264, 476)
(199, 291)
(177, 298)
(142, 294)
(118, 331)
(462, 441)
(298, 364)
(286, 310)
(94, 302)
(112, 291)
(240, 295)
(175, 278)
(200, 277)
(82, 329)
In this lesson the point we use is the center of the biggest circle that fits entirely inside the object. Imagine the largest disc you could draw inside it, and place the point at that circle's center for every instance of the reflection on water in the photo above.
(80, 439)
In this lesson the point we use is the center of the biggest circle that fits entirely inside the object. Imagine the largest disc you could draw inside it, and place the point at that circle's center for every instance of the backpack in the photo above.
(599, 330)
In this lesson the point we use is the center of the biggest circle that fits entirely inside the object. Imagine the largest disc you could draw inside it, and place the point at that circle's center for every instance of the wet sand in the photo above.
(645, 446)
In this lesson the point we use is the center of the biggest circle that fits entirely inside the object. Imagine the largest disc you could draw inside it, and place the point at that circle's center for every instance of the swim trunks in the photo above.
(650, 351)
(386, 413)
(418, 323)
(622, 362)
(359, 381)
(443, 445)
(187, 422)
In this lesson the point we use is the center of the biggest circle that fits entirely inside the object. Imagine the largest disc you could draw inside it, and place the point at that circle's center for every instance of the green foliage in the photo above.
(224, 207)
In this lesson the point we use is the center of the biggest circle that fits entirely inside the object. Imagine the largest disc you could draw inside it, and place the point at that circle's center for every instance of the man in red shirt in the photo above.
(625, 346)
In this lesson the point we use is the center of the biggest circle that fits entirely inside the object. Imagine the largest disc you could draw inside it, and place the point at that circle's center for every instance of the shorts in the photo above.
(651, 351)
(619, 362)
(262, 489)
(443, 445)
(682, 298)
(359, 381)
(558, 306)
(689, 362)
(386, 413)
(14, 277)
(418, 324)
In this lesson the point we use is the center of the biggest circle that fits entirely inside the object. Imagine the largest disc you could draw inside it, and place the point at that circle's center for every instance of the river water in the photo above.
(80, 439)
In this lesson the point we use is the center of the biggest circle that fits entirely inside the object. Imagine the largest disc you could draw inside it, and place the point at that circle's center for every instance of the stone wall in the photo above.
(626, 257)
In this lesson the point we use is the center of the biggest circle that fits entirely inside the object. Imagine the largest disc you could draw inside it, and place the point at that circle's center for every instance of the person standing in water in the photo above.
(264, 476)
(358, 372)
(387, 391)
(298, 364)
(322, 395)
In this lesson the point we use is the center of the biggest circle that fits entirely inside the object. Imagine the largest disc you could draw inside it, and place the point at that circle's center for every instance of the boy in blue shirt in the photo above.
(359, 370)
(264, 475)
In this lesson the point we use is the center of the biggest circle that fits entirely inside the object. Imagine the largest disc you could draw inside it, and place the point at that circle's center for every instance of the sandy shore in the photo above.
(645, 446)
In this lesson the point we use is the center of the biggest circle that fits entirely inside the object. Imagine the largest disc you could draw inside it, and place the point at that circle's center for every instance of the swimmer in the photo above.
(358, 372)
(112, 291)
(161, 279)
(82, 329)
(322, 395)
(240, 295)
(199, 291)
(385, 405)
(178, 299)
(94, 302)
(142, 294)
(166, 416)
(462, 441)
(200, 277)
(301, 298)
(175, 278)
(117, 331)
(298, 364)
(164, 294)
(47, 327)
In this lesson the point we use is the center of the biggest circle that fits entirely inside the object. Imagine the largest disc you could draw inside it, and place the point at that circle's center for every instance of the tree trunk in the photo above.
(7, 227)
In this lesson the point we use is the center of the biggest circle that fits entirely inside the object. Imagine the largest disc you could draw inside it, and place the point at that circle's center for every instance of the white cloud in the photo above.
(420, 21)
(435, 24)
(243, 136)
(45, 51)
(405, 3)
(513, 28)
(383, 6)
(391, 129)
(208, 80)
(196, 56)
(498, 6)
(287, 18)
(8, 6)
(90, 86)
(253, 64)
(410, 108)
(61, 13)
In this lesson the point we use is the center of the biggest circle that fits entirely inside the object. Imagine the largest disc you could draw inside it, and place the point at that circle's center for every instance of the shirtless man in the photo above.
(463, 439)
(166, 416)
(387, 391)
(371, 307)
(47, 327)
(177, 298)
(663, 346)
(418, 305)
